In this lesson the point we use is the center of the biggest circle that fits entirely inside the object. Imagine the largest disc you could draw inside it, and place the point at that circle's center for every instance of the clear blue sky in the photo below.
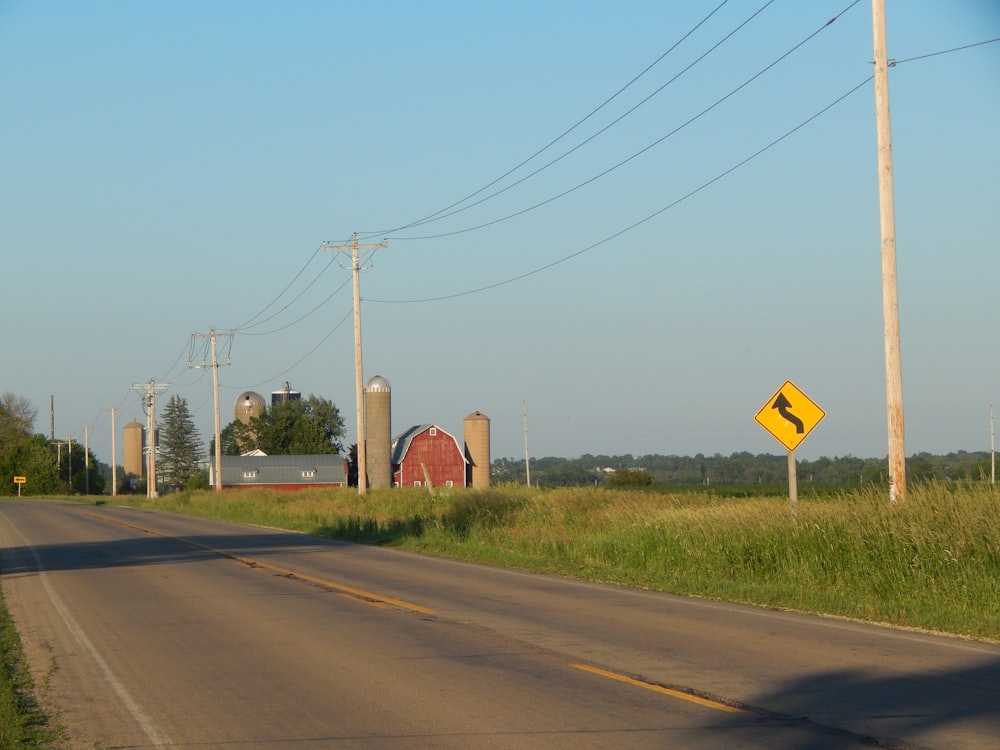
(173, 167)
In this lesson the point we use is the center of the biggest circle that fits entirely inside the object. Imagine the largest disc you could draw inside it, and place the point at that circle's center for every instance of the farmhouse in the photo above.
(426, 455)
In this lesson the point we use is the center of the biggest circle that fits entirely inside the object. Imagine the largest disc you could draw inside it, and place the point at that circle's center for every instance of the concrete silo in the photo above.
(249, 405)
(378, 432)
(134, 464)
(477, 450)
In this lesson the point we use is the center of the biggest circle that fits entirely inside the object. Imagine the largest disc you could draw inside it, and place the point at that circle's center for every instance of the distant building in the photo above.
(426, 453)
(281, 472)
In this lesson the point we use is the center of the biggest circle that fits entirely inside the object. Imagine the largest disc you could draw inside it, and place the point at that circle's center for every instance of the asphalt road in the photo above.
(154, 630)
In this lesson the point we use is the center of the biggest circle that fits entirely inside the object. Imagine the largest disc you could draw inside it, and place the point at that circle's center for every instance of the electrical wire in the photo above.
(600, 132)
(299, 320)
(643, 150)
(641, 221)
(281, 293)
(684, 197)
(894, 63)
(431, 217)
(304, 357)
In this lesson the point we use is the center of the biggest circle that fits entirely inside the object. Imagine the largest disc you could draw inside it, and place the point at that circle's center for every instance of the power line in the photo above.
(281, 293)
(298, 320)
(442, 215)
(306, 356)
(893, 63)
(431, 217)
(646, 148)
(641, 221)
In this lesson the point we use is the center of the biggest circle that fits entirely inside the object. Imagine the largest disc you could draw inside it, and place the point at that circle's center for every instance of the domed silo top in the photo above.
(476, 415)
(249, 400)
(248, 405)
(378, 383)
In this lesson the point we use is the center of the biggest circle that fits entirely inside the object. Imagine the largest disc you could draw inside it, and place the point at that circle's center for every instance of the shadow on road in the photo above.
(152, 549)
(920, 709)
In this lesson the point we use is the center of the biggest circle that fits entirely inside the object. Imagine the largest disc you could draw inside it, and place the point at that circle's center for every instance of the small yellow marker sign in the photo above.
(789, 415)
(20, 480)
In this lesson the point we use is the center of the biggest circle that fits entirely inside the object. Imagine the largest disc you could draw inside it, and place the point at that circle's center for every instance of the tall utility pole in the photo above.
(151, 388)
(114, 455)
(212, 335)
(69, 463)
(527, 461)
(890, 299)
(359, 386)
(993, 453)
(86, 459)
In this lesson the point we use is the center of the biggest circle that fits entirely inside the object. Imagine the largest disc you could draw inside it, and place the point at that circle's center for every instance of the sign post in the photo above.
(19, 481)
(789, 415)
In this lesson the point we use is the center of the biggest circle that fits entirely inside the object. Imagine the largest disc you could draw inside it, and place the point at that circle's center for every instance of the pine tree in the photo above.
(180, 446)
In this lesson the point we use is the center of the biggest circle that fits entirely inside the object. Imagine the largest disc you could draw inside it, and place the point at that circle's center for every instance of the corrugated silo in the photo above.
(248, 406)
(477, 450)
(378, 432)
(134, 465)
(285, 394)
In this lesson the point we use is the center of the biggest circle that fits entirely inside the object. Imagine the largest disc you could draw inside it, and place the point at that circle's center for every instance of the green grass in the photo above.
(932, 561)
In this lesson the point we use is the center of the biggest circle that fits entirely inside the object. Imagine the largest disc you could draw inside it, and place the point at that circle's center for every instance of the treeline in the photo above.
(740, 469)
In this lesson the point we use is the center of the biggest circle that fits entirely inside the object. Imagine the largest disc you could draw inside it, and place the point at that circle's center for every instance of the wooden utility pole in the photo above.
(890, 299)
(212, 335)
(527, 460)
(150, 403)
(359, 385)
(86, 459)
(114, 456)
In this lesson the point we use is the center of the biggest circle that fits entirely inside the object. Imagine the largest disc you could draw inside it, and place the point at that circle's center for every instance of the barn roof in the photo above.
(401, 444)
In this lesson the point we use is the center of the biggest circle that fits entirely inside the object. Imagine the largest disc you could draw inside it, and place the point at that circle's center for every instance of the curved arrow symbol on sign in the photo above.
(783, 405)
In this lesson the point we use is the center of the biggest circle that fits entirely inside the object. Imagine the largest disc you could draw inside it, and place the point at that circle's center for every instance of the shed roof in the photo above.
(323, 468)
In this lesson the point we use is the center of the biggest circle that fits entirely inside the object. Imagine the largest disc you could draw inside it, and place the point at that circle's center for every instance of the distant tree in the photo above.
(33, 458)
(567, 474)
(352, 465)
(630, 478)
(180, 446)
(197, 481)
(24, 454)
(306, 426)
(17, 420)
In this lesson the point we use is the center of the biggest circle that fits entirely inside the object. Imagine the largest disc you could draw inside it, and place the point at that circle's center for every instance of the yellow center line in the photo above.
(367, 597)
(657, 688)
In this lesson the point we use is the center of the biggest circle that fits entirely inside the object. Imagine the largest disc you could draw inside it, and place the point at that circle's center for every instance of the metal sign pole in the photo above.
(793, 481)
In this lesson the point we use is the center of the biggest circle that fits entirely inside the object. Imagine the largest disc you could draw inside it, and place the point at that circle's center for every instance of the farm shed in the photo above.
(283, 472)
(426, 451)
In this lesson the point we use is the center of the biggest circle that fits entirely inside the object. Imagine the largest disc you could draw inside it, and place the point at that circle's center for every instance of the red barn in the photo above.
(426, 453)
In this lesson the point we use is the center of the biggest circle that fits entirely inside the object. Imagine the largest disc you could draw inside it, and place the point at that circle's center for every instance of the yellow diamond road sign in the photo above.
(789, 415)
